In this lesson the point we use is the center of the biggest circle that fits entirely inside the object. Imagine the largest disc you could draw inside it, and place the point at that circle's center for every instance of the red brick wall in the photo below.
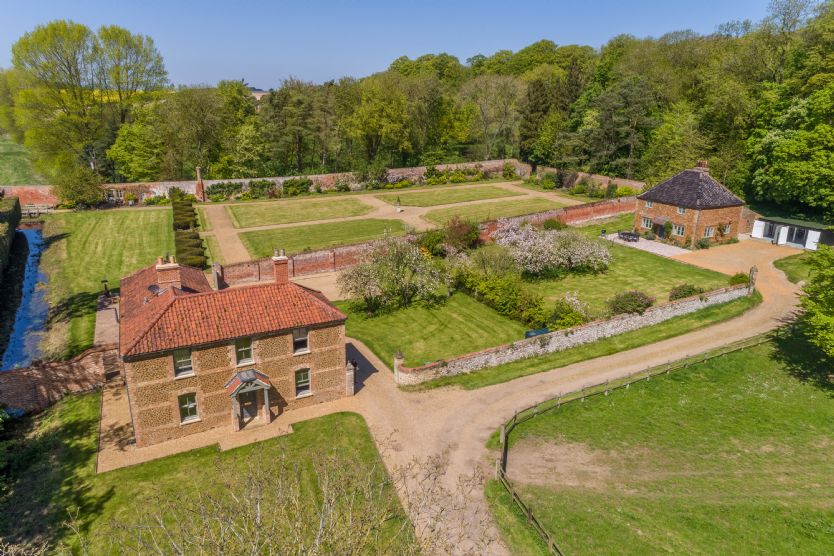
(693, 221)
(31, 194)
(35, 388)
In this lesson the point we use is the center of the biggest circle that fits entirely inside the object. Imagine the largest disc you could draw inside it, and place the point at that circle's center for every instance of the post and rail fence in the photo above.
(589, 391)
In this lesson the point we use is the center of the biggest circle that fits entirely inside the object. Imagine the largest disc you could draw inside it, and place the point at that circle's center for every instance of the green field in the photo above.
(53, 472)
(482, 212)
(446, 196)
(16, 165)
(622, 342)
(295, 210)
(731, 456)
(425, 334)
(83, 248)
(296, 239)
(795, 267)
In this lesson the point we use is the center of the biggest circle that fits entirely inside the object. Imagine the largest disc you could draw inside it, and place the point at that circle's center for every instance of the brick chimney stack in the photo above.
(280, 267)
(702, 166)
(168, 272)
(199, 189)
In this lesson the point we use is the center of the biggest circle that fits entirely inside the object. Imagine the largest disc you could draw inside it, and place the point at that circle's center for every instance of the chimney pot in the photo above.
(280, 267)
(703, 165)
(168, 272)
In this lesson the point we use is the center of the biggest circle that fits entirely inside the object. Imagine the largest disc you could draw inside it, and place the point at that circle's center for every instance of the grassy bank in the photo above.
(53, 471)
(629, 340)
(727, 456)
(84, 248)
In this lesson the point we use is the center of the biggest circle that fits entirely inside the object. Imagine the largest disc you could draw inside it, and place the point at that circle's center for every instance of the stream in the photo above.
(30, 318)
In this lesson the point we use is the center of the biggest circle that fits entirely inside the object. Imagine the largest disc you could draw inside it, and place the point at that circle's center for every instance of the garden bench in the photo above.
(628, 236)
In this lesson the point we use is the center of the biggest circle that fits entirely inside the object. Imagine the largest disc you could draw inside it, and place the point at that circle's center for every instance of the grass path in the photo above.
(728, 456)
(83, 248)
(481, 212)
(295, 210)
(446, 196)
(296, 239)
(16, 165)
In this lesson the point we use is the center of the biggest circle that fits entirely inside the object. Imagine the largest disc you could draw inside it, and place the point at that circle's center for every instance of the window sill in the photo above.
(302, 352)
(245, 363)
(304, 395)
(190, 421)
(185, 375)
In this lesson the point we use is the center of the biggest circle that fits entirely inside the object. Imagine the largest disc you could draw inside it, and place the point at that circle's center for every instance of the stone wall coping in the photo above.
(564, 332)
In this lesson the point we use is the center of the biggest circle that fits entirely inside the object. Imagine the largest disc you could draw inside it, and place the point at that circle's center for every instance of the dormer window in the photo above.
(243, 351)
(300, 343)
(182, 363)
(681, 210)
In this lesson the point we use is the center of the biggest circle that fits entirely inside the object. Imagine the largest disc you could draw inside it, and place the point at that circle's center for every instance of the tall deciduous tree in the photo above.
(495, 101)
(818, 300)
(675, 144)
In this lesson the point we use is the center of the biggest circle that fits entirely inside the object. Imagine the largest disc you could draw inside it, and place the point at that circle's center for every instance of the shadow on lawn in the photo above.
(48, 480)
(802, 359)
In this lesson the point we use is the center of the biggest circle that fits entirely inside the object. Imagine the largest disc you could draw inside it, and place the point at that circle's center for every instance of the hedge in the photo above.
(187, 242)
(9, 219)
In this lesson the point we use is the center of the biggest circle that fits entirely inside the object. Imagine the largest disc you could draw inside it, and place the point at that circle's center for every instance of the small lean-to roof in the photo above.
(796, 222)
(692, 189)
(154, 321)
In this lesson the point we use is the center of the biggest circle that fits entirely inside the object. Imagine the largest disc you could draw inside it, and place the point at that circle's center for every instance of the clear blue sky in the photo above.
(266, 41)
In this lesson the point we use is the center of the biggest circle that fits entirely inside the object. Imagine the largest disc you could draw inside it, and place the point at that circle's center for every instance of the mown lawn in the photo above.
(215, 255)
(630, 269)
(731, 456)
(54, 471)
(296, 239)
(629, 340)
(482, 212)
(425, 334)
(15, 164)
(295, 210)
(83, 248)
(446, 196)
(795, 267)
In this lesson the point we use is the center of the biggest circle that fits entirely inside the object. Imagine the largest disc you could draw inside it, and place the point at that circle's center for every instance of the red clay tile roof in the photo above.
(197, 315)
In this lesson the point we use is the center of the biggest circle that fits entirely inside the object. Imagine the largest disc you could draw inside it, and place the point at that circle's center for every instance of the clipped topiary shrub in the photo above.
(684, 290)
(508, 171)
(630, 302)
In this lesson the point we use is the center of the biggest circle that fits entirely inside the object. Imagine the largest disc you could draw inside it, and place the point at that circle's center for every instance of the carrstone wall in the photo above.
(694, 221)
(153, 390)
(563, 339)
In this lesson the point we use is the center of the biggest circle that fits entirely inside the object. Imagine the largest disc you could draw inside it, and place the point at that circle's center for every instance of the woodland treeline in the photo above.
(755, 98)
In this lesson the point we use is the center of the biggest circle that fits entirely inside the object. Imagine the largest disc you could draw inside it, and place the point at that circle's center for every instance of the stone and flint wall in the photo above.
(153, 389)
(563, 339)
(39, 386)
(329, 260)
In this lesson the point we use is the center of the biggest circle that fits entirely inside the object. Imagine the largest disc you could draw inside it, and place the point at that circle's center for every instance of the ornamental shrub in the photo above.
(611, 190)
(261, 189)
(508, 171)
(157, 200)
(461, 234)
(224, 190)
(630, 302)
(296, 186)
(434, 242)
(342, 186)
(457, 177)
(579, 189)
(703, 243)
(553, 224)
(567, 312)
(684, 290)
(739, 278)
(626, 191)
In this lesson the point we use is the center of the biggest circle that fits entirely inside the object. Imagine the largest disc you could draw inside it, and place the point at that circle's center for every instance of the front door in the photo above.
(248, 406)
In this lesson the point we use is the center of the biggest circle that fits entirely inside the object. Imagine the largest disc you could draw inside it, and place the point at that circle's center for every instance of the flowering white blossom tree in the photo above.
(392, 272)
(538, 251)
